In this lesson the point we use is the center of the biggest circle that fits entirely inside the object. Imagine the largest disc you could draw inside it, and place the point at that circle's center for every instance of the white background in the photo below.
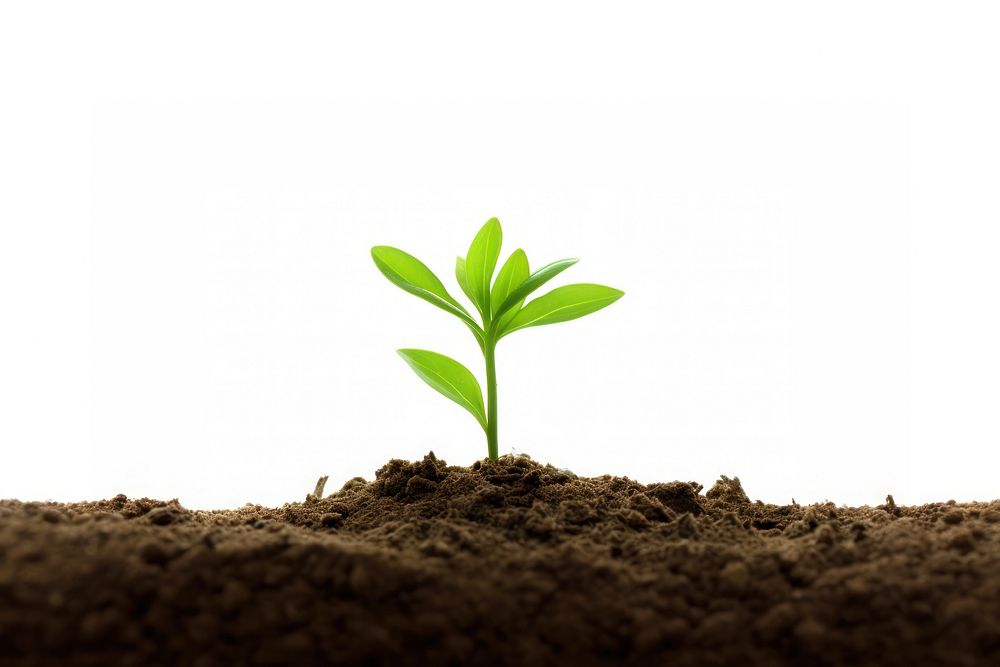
(800, 204)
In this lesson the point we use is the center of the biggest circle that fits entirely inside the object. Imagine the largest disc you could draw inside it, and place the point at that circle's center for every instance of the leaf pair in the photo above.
(513, 284)
(512, 274)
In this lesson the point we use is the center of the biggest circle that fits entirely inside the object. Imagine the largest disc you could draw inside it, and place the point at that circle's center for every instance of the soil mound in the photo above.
(508, 562)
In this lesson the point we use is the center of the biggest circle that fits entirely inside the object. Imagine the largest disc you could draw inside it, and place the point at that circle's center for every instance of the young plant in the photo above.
(501, 308)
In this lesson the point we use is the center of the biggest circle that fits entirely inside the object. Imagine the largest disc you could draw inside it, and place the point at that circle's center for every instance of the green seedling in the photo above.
(502, 311)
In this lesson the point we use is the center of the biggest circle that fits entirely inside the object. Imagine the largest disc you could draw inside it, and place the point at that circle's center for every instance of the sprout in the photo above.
(502, 311)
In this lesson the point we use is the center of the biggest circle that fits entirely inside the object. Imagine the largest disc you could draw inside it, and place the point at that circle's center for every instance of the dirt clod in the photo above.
(164, 516)
(508, 562)
(729, 491)
(953, 517)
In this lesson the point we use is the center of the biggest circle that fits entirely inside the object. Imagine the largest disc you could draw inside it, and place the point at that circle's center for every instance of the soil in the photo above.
(505, 563)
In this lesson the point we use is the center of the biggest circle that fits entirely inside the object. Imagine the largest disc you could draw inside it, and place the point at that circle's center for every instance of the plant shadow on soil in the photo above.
(508, 562)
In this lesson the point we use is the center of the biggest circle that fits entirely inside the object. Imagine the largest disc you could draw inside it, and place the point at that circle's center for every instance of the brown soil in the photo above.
(506, 563)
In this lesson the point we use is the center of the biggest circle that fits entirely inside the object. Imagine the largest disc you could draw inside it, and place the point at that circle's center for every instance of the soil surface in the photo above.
(505, 563)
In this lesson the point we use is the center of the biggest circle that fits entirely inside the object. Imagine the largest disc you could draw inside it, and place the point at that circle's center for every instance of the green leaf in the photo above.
(462, 278)
(464, 284)
(409, 273)
(514, 272)
(480, 262)
(563, 304)
(449, 378)
(533, 282)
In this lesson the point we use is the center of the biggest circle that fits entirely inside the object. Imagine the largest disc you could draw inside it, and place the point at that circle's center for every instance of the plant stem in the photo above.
(491, 395)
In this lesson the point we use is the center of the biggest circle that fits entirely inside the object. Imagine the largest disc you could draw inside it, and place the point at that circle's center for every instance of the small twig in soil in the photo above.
(317, 493)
